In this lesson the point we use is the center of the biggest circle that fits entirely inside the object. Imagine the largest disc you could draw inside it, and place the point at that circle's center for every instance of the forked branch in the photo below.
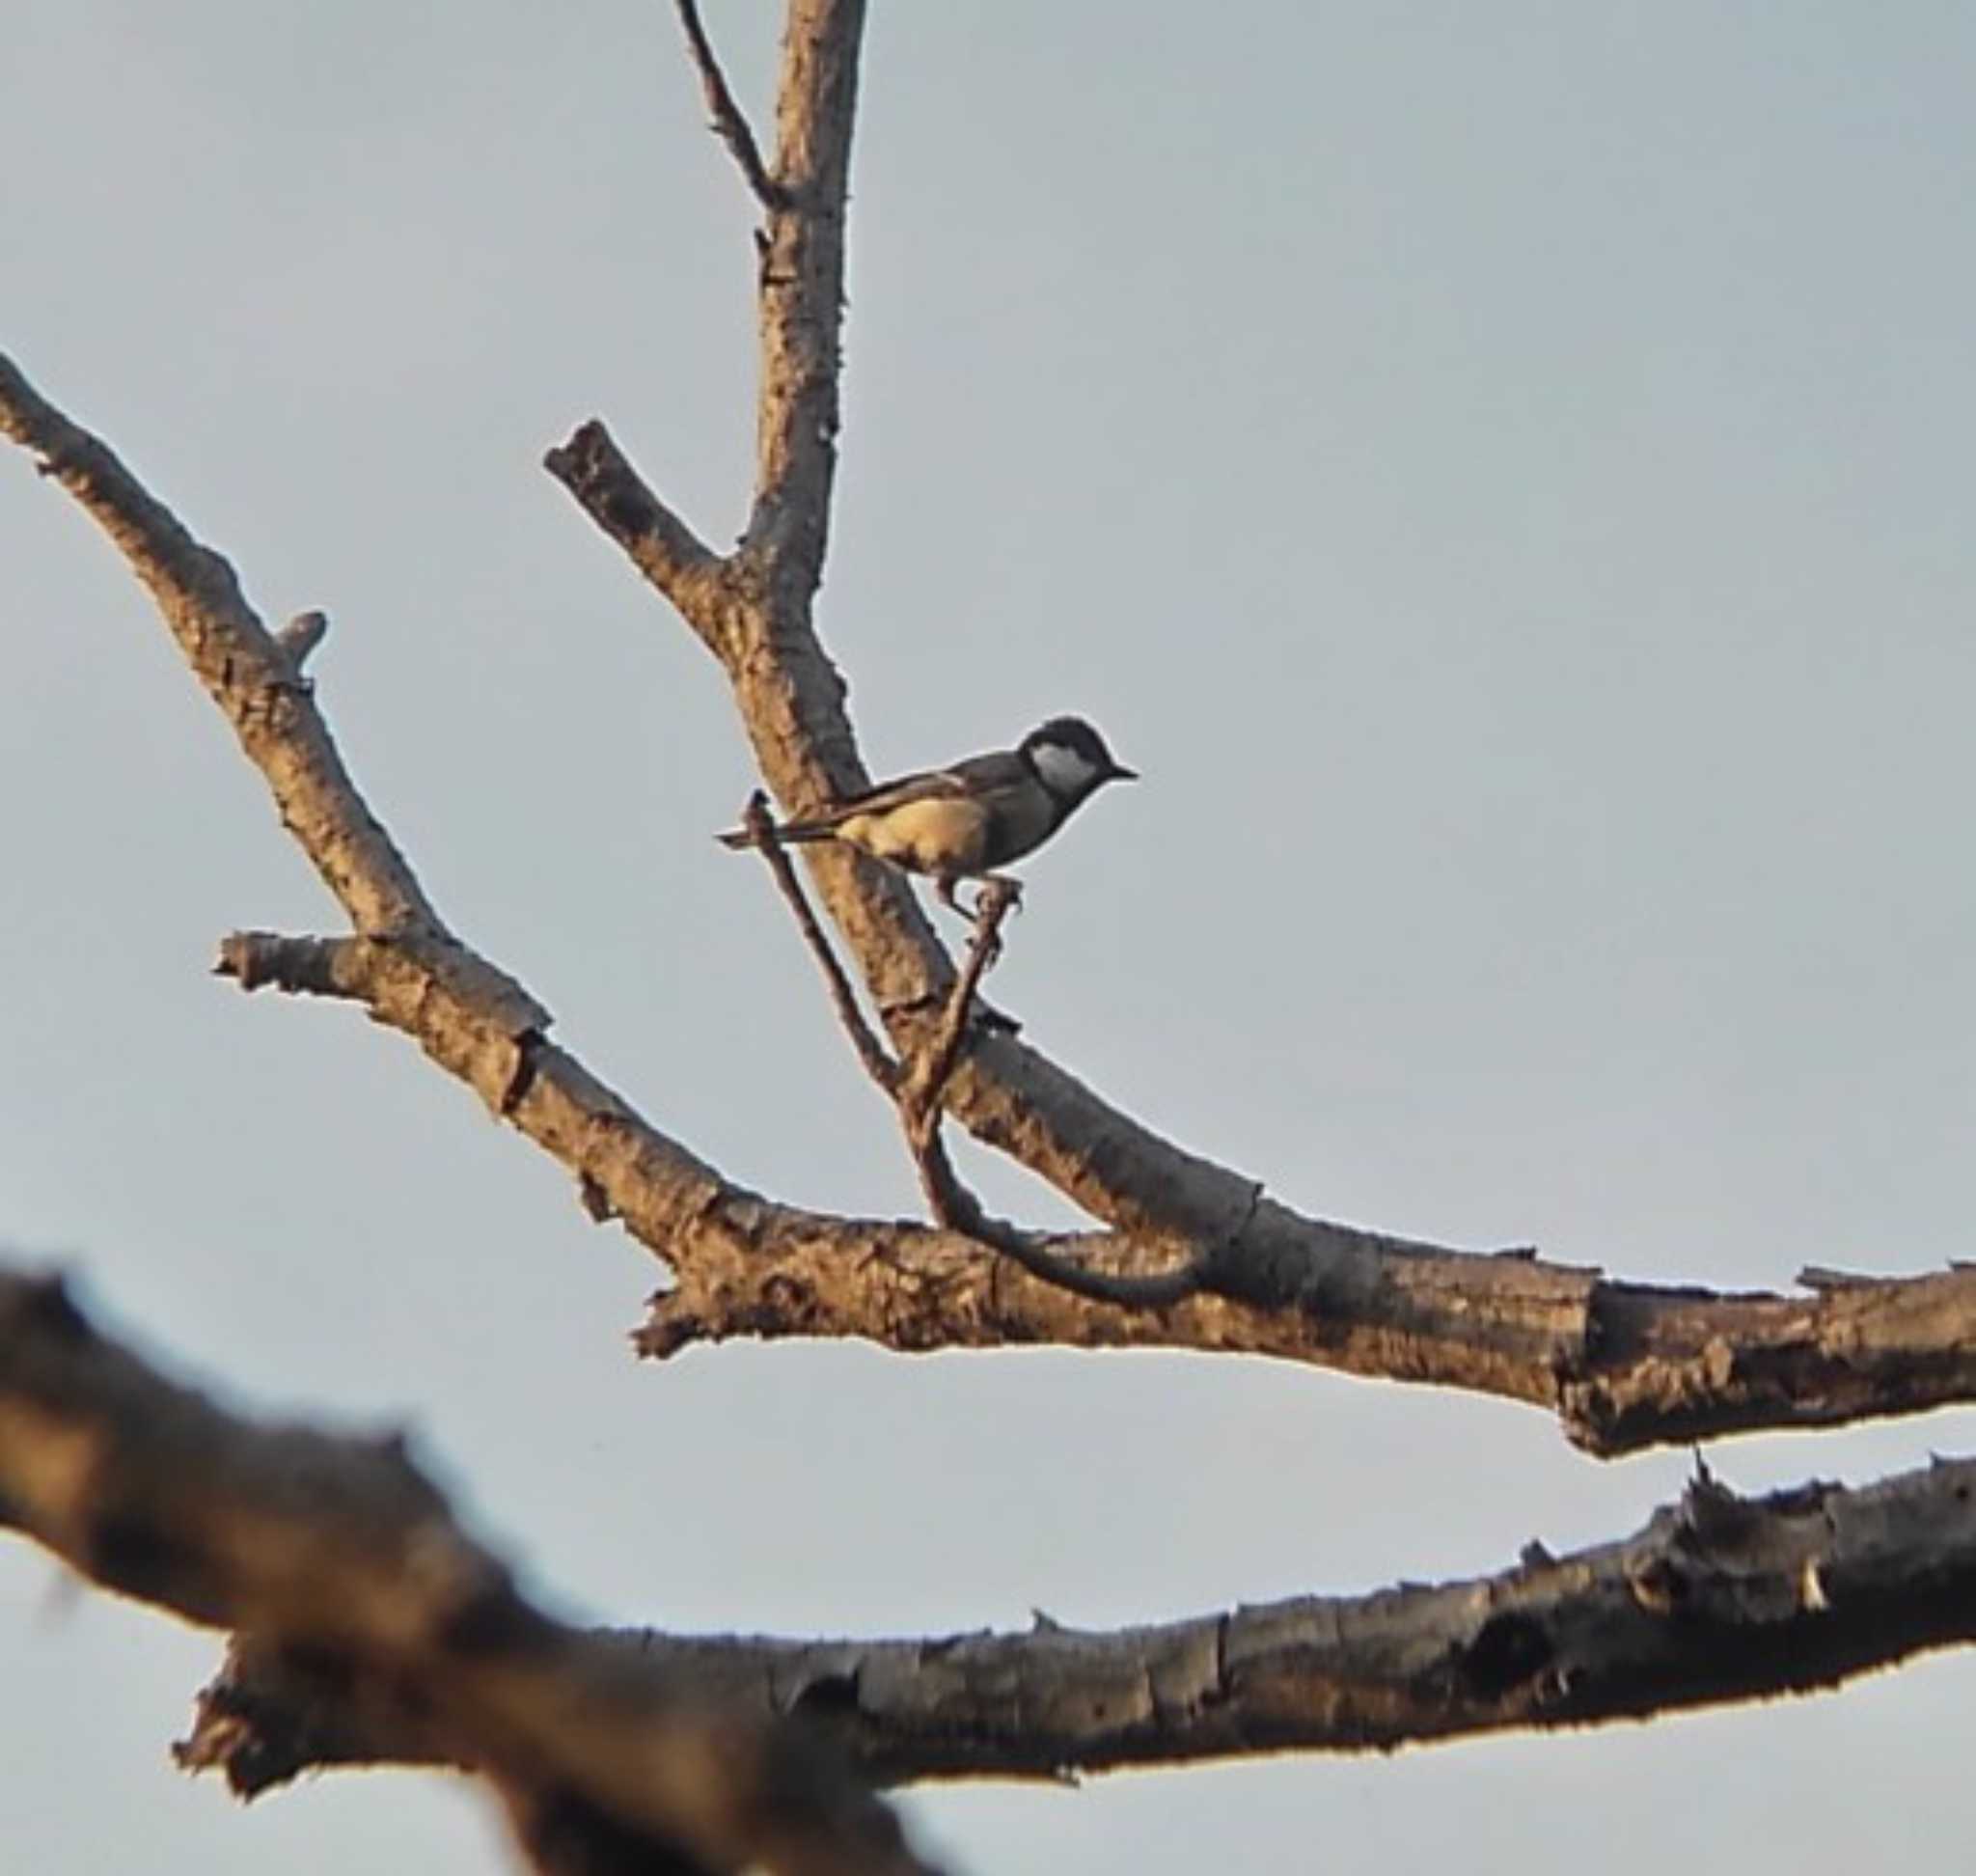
(919, 1087)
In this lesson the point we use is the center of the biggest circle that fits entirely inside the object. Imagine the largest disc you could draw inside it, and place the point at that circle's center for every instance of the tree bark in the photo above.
(340, 1553)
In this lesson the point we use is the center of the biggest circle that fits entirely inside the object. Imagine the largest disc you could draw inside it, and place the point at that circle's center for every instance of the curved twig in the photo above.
(920, 1100)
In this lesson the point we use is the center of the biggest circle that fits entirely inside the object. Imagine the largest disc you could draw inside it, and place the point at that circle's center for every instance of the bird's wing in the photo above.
(977, 775)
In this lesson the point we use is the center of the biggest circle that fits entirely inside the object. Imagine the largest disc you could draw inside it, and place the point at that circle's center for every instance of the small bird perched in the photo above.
(965, 820)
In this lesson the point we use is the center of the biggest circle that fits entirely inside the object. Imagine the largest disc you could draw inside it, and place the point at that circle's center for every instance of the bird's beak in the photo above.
(1120, 773)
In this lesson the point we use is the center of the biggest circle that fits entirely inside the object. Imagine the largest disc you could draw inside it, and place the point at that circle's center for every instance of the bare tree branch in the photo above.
(729, 122)
(343, 1568)
(802, 298)
(341, 1550)
(1624, 1365)
(791, 698)
(920, 1100)
(917, 1092)
(245, 672)
(660, 545)
(1717, 1600)
(953, 1204)
(887, 1073)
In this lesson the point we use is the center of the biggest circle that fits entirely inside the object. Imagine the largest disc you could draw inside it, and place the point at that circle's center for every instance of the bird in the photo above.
(971, 817)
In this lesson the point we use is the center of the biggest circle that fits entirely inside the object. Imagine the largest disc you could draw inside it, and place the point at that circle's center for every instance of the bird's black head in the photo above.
(1071, 758)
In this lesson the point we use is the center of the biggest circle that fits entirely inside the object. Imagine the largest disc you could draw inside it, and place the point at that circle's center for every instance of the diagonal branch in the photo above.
(728, 123)
(250, 675)
(792, 699)
(341, 1549)
(888, 1074)
(661, 546)
(920, 1099)
(1716, 1599)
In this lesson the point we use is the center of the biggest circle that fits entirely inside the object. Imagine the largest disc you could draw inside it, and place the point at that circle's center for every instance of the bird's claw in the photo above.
(998, 887)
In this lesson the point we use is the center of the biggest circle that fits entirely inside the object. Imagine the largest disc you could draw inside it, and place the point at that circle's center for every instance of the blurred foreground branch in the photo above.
(339, 1551)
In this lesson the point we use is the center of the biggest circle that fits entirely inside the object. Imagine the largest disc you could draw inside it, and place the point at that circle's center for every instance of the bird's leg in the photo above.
(1009, 891)
(998, 898)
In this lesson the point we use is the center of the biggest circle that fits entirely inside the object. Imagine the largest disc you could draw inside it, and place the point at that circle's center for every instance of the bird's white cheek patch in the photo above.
(1063, 770)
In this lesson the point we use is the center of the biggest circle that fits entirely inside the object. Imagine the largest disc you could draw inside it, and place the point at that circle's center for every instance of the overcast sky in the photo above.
(1501, 472)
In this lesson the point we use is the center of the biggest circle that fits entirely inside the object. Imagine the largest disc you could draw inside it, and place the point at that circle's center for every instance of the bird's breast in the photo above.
(1023, 820)
(937, 836)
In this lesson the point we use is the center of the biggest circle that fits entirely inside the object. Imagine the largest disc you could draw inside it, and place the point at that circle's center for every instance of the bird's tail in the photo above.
(789, 833)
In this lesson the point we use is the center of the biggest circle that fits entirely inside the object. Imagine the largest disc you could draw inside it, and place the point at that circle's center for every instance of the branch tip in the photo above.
(728, 122)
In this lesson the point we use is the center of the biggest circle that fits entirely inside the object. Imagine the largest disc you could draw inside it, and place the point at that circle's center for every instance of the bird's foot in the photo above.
(999, 896)
(998, 888)
(1001, 889)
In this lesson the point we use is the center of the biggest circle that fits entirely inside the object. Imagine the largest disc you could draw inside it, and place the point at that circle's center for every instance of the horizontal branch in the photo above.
(341, 1551)
(1624, 1365)
(1717, 1599)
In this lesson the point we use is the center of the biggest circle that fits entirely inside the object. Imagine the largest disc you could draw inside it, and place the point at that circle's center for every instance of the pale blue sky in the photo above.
(1501, 472)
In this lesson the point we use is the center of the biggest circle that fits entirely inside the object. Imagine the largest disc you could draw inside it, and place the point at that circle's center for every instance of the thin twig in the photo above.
(920, 1098)
(728, 125)
(952, 1202)
(888, 1074)
(918, 1095)
(956, 1208)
